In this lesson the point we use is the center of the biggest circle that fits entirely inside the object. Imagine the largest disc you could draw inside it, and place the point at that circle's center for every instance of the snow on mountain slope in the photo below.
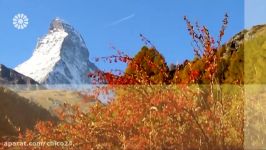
(60, 57)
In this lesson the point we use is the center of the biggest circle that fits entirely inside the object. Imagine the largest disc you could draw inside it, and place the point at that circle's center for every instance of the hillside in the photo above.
(18, 113)
(255, 55)
(244, 51)
(52, 99)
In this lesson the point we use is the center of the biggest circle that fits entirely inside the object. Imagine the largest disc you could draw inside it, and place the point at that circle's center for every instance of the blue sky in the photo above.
(255, 11)
(116, 22)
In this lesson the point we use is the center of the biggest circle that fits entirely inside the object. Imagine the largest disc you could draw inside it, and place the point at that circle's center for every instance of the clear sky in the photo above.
(116, 22)
(255, 12)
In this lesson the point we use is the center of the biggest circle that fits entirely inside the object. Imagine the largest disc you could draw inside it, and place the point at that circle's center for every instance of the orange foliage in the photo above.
(144, 115)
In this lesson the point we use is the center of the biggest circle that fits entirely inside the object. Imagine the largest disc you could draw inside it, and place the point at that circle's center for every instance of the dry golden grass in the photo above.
(50, 99)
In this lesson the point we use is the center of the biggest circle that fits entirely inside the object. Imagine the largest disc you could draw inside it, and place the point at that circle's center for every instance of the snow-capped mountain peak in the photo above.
(60, 57)
(59, 24)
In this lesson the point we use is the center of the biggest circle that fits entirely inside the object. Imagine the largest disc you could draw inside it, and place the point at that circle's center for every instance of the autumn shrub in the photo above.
(151, 111)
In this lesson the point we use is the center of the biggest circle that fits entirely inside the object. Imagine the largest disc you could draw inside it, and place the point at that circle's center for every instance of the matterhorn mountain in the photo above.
(60, 57)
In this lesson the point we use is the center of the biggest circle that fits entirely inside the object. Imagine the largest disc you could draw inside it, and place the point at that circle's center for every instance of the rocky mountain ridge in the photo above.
(60, 57)
(10, 77)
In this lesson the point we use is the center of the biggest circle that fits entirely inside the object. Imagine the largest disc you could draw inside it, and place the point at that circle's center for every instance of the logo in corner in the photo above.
(20, 21)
